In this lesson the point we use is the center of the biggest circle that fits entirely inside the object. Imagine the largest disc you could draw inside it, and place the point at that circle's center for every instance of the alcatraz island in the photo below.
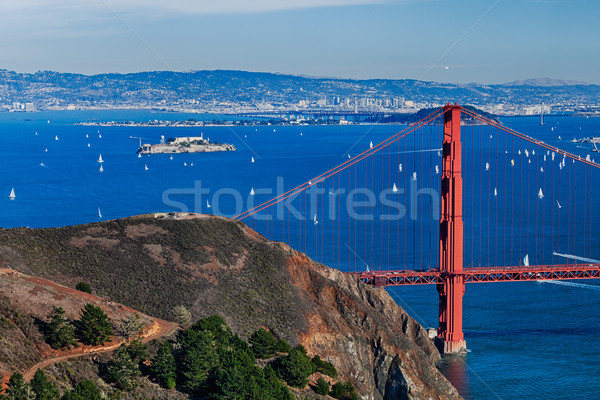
(195, 144)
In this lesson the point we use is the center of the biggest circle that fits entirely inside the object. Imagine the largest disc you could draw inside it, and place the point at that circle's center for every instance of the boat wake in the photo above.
(573, 284)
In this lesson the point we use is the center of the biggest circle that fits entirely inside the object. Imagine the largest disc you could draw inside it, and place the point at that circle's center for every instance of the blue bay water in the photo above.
(526, 340)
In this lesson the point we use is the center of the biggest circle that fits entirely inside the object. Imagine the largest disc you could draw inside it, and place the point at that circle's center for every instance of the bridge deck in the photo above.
(483, 274)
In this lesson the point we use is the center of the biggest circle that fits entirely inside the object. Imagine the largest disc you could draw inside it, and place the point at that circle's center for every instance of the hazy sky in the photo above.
(487, 41)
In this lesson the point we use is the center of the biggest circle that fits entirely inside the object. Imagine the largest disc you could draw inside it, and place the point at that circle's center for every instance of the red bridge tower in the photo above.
(451, 291)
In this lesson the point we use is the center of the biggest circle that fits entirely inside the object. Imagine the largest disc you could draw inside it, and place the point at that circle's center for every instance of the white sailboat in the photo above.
(100, 160)
(512, 163)
(252, 159)
(544, 158)
(208, 204)
(101, 168)
(558, 204)
(99, 213)
(437, 169)
(495, 192)
(526, 260)
(315, 220)
(541, 194)
(399, 167)
(145, 167)
(395, 188)
(519, 152)
(89, 145)
(533, 152)
(99, 136)
(56, 137)
(371, 145)
(349, 156)
(170, 158)
(439, 153)
(541, 169)
(595, 149)
(414, 177)
(12, 195)
(487, 166)
(42, 164)
(87, 136)
(553, 155)
(184, 164)
(252, 191)
(139, 155)
(526, 153)
(192, 164)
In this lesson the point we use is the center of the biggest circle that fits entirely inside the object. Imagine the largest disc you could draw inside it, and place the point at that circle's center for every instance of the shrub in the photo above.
(182, 316)
(324, 367)
(344, 391)
(137, 351)
(295, 368)
(60, 332)
(94, 327)
(322, 387)
(84, 287)
(131, 326)
(283, 347)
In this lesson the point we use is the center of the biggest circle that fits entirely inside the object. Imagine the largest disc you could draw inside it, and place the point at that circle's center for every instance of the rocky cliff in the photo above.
(217, 266)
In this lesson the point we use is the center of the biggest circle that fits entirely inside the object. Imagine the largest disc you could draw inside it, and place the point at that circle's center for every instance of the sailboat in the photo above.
(87, 136)
(544, 158)
(526, 153)
(56, 137)
(439, 153)
(89, 145)
(252, 159)
(495, 192)
(100, 160)
(414, 177)
(208, 204)
(512, 163)
(395, 188)
(99, 213)
(252, 191)
(171, 157)
(36, 134)
(99, 136)
(192, 164)
(371, 145)
(101, 168)
(12, 195)
(519, 152)
(558, 204)
(526, 260)
(541, 169)
(542, 115)
(145, 167)
(540, 194)
(184, 164)
(533, 152)
(349, 156)
(553, 155)
(399, 167)
(487, 166)
(139, 155)
(595, 149)
(437, 169)
(46, 149)
(315, 220)
(42, 164)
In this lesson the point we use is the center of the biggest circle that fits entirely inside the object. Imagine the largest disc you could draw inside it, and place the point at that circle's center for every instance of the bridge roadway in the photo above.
(482, 274)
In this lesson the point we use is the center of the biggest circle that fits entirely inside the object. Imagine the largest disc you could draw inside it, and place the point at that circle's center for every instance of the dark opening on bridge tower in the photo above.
(450, 335)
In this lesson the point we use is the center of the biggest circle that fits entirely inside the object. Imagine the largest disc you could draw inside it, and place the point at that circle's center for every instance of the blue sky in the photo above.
(487, 41)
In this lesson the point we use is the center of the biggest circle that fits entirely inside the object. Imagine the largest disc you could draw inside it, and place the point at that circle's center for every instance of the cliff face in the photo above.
(217, 266)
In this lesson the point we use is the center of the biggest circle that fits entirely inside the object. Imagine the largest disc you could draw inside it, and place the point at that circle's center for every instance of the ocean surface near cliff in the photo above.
(526, 340)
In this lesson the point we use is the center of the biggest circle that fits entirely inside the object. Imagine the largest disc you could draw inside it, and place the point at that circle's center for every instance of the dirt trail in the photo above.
(158, 329)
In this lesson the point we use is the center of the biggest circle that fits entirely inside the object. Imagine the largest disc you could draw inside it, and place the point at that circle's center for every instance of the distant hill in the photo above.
(218, 266)
(205, 89)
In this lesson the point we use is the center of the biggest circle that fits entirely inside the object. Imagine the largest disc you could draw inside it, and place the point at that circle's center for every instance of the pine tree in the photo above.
(60, 332)
(182, 316)
(296, 367)
(84, 390)
(322, 387)
(137, 351)
(94, 327)
(123, 370)
(263, 343)
(163, 366)
(43, 388)
(198, 358)
(17, 389)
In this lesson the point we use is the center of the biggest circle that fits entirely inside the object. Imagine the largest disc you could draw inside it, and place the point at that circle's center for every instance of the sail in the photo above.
(252, 192)
(495, 192)
(541, 194)
(526, 260)
(371, 145)
(414, 177)
(100, 160)
(437, 169)
(252, 160)
(395, 188)
(487, 166)
(12, 194)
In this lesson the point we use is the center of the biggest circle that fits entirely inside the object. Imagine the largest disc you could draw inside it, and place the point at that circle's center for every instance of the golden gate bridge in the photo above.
(486, 233)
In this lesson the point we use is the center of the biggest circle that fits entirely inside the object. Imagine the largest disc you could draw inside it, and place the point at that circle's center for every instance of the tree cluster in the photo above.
(93, 327)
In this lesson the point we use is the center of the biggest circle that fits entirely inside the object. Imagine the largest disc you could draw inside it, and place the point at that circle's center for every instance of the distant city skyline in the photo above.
(491, 41)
